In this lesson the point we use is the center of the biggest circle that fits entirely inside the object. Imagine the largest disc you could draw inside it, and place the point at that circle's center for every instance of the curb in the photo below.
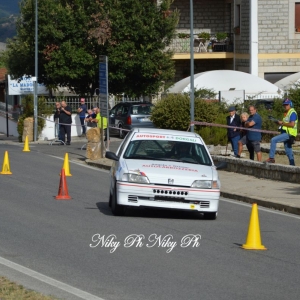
(97, 165)
(263, 203)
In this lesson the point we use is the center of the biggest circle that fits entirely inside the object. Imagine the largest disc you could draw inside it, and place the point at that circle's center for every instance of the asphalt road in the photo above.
(59, 242)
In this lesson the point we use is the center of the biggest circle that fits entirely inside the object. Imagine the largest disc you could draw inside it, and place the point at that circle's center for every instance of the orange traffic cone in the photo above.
(253, 238)
(66, 165)
(26, 145)
(6, 167)
(63, 193)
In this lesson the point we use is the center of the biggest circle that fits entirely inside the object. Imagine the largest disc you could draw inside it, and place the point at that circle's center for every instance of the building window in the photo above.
(297, 16)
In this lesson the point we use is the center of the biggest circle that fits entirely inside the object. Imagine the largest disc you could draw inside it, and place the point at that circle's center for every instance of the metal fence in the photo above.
(73, 101)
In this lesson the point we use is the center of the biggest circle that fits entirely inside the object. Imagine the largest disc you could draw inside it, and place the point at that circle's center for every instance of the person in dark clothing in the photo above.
(82, 112)
(65, 120)
(56, 119)
(233, 134)
(254, 137)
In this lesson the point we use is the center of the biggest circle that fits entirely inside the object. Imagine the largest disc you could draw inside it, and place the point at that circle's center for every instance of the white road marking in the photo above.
(82, 164)
(270, 210)
(58, 284)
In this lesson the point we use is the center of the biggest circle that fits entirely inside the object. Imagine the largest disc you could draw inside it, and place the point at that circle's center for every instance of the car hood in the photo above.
(161, 172)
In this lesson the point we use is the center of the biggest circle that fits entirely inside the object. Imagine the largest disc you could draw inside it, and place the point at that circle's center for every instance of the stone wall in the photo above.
(276, 34)
(260, 170)
(211, 14)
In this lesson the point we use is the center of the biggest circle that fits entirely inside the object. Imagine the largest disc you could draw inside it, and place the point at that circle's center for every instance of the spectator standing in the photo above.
(288, 133)
(81, 110)
(243, 138)
(56, 119)
(233, 134)
(91, 115)
(254, 137)
(65, 120)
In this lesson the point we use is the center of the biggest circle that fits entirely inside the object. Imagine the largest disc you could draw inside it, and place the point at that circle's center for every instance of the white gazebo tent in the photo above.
(224, 80)
(289, 81)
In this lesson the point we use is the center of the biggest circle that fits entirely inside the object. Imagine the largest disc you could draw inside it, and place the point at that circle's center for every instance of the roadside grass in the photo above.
(12, 291)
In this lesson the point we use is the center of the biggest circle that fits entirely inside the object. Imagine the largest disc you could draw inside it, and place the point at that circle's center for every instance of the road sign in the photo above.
(103, 86)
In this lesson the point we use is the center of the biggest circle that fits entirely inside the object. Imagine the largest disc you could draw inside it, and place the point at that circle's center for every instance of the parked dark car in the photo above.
(127, 115)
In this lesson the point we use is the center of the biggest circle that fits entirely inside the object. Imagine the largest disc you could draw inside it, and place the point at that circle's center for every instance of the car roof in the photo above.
(134, 103)
(165, 131)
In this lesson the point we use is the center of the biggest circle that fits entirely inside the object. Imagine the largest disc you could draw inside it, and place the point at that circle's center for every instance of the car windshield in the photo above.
(141, 109)
(167, 151)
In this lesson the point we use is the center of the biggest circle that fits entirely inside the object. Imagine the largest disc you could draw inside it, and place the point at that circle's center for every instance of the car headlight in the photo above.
(134, 177)
(205, 184)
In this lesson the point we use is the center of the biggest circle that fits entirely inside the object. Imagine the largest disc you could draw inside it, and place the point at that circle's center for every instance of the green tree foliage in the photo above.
(69, 37)
(74, 33)
(28, 111)
(173, 112)
(138, 60)
(294, 95)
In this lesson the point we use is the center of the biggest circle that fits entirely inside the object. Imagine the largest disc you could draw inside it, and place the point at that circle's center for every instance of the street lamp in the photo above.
(35, 101)
(192, 64)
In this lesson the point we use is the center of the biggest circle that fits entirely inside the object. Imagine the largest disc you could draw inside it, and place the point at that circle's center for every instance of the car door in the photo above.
(112, 118)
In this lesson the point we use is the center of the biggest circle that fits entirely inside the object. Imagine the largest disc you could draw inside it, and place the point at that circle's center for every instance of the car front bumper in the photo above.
(202, 200)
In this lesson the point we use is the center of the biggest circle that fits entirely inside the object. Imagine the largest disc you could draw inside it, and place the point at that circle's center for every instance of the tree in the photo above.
(138, 61)
(294, 95)
(67, 42)
(74, 33)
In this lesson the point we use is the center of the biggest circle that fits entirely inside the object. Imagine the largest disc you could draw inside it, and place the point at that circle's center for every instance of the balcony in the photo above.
(202, 48)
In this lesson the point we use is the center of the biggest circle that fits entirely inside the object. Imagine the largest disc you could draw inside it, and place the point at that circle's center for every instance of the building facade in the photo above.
(263, 37)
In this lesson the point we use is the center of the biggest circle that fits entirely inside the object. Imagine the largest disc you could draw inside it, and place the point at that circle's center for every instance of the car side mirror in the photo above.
(111, 155)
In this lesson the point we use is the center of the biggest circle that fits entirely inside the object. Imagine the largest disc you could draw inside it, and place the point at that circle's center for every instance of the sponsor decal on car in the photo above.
(174, 167)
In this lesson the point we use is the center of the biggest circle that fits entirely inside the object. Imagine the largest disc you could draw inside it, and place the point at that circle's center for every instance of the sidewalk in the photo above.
(268, 193)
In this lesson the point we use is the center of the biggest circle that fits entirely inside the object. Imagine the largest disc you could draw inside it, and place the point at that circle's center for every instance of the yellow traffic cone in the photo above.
(6, 167)
(66, 165)
(253, 241)
(26, 145)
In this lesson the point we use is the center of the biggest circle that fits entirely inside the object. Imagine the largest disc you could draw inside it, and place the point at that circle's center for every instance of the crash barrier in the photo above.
(232, 127)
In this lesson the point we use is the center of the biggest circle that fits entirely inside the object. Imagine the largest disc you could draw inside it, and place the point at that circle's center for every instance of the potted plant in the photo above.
(221, 36)
(182, 35)
(204, 36)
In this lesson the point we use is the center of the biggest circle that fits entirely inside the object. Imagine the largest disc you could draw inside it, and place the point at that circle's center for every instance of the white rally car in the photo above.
(164, 169)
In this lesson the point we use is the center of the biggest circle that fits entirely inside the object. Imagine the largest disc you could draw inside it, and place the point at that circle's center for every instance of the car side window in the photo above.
(119, 110)
(125, 111)
(134, 110)
(113, 110)
(126, 139)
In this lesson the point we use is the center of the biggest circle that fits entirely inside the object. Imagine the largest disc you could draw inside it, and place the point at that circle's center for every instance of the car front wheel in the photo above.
(117, 210)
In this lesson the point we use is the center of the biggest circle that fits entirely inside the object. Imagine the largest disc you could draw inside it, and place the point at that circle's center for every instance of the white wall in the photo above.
(12, 126)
